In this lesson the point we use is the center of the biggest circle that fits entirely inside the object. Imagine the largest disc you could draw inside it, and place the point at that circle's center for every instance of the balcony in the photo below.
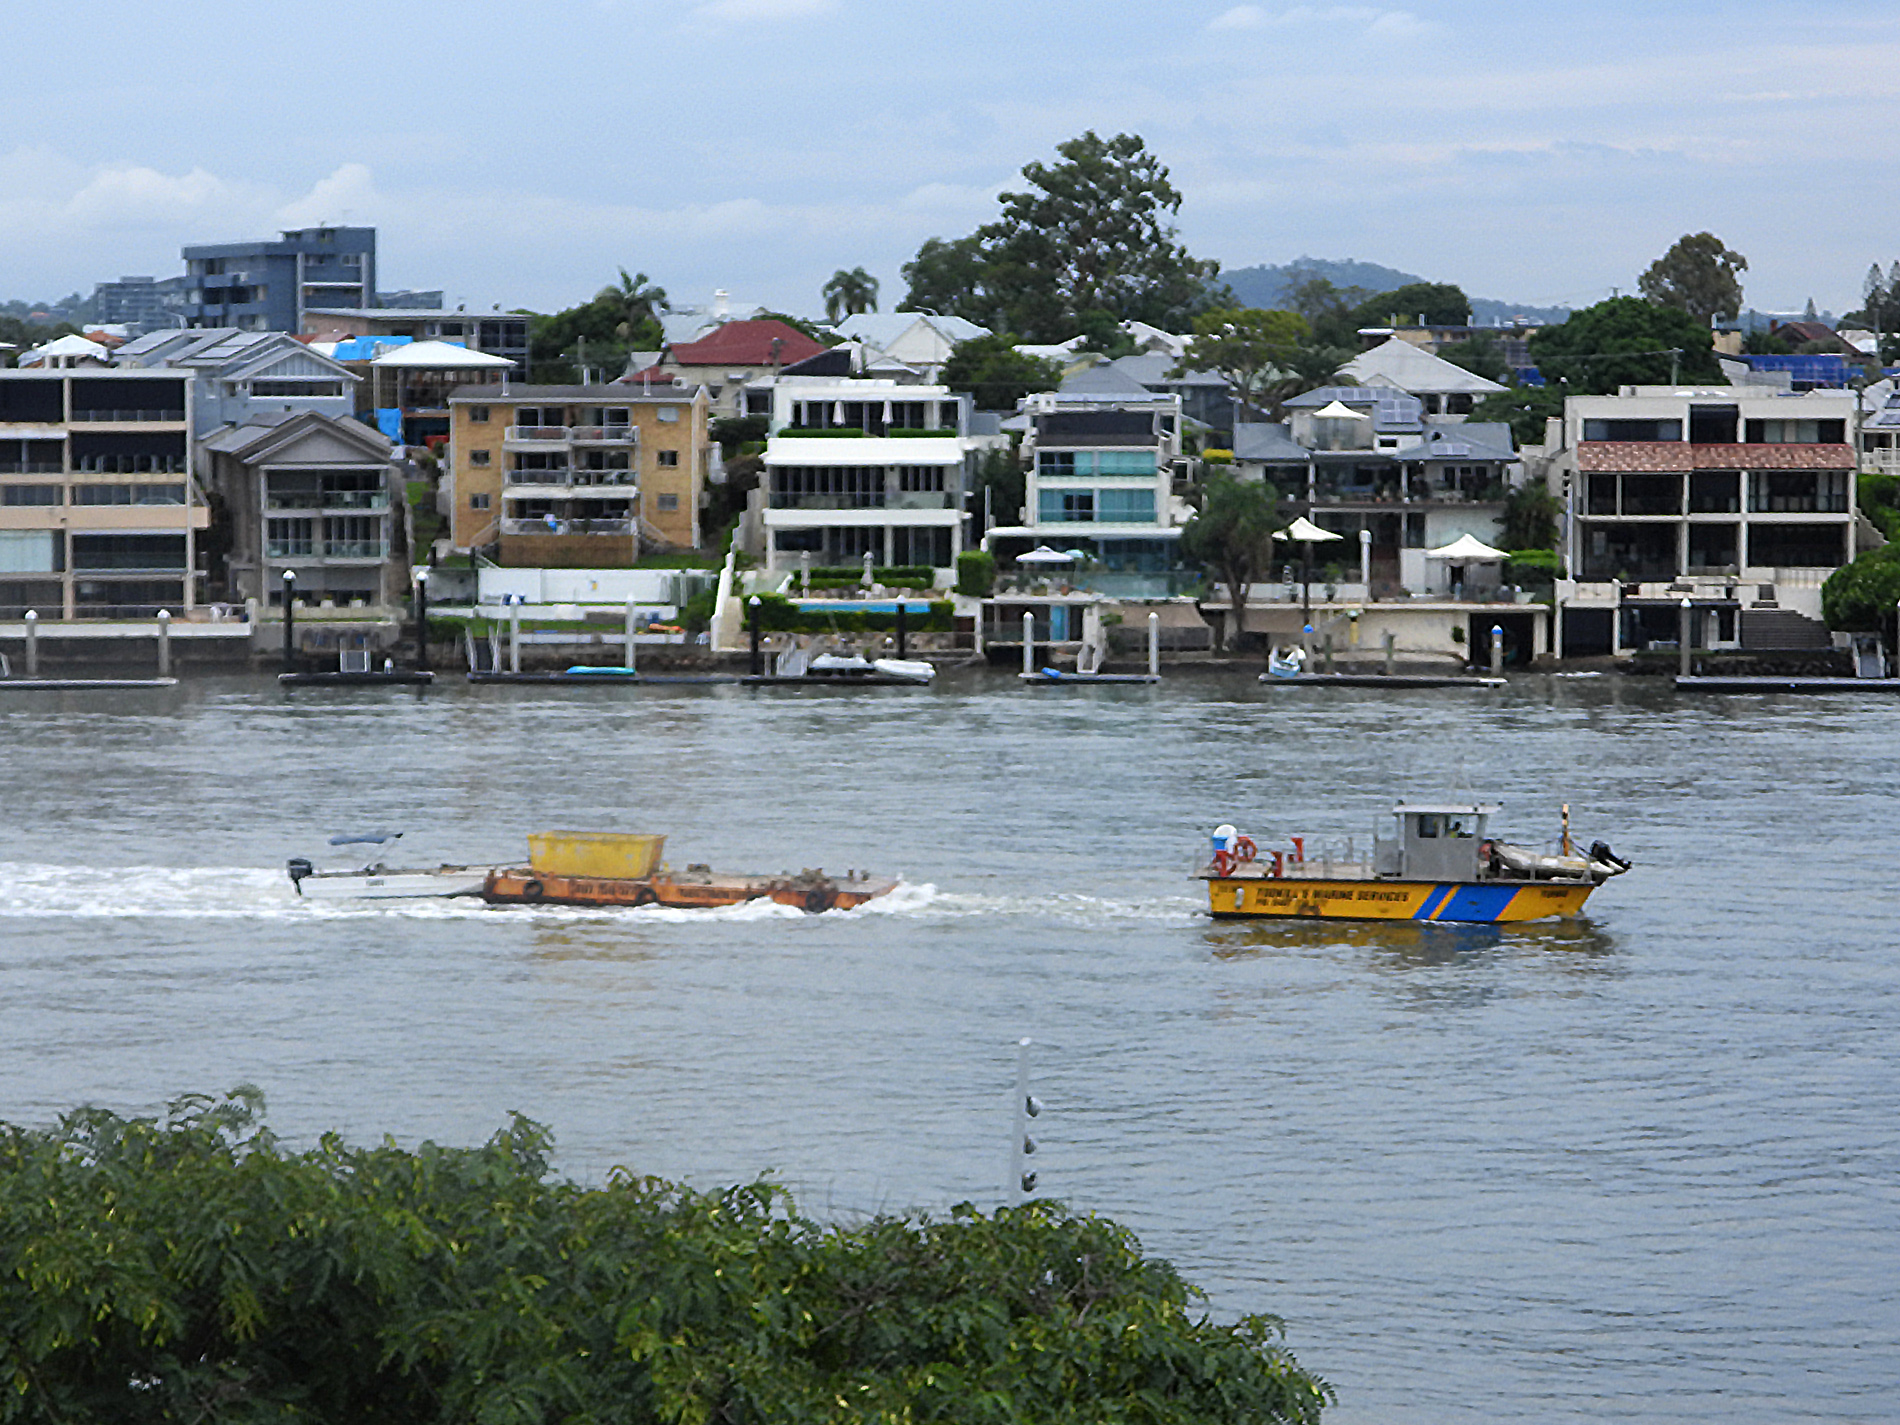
(356, 549)
(536, 435)
(599, 435)
(548, 527)
(355, 500)
(129, 417)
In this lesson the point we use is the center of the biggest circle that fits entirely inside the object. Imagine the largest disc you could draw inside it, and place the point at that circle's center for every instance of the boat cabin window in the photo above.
(1428, 824)
(1455, 826)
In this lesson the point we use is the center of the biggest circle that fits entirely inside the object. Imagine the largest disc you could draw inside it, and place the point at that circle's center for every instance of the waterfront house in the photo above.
(100, 515)
(314, 495)
(1738, 500)
(576, 476)
(1367, 463)
(856, 467)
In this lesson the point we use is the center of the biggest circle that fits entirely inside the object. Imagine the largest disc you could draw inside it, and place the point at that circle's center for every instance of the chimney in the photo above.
(722, 304)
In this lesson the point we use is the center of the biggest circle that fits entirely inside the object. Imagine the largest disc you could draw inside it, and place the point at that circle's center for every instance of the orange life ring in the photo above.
(1223, 863)
(1244, 849)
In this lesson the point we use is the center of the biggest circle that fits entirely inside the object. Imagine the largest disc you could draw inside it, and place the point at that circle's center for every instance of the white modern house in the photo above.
(857, 467)
(1100, 478)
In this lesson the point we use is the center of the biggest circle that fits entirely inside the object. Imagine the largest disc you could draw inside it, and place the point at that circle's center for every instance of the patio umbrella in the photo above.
(1466, 549)
(1308, 534)
(1043, 554)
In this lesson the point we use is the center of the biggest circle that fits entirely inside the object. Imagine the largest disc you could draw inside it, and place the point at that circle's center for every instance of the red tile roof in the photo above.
(1662, 455)
(747, 344)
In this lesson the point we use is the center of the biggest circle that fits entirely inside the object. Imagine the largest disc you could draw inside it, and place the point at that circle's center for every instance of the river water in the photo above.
(1641, 1167)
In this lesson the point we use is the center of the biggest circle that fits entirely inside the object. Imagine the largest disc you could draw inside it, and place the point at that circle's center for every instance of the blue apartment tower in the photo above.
(268, 286)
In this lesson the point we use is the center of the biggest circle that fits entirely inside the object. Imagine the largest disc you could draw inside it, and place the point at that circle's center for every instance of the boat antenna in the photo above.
(1567, 850)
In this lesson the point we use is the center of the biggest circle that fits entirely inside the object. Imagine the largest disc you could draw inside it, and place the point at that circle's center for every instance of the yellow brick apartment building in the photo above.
(577, 477)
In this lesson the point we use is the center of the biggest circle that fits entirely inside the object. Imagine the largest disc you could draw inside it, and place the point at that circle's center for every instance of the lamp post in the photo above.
(422, 620)
(290, 620)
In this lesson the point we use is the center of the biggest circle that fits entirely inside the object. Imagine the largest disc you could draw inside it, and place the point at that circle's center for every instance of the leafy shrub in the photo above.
(976, 573)
(1860, 597)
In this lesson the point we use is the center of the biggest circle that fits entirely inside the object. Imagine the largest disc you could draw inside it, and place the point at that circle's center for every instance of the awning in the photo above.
(1466, 550)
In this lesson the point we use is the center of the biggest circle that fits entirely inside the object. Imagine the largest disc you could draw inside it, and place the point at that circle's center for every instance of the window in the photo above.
(1804, 492)
(672, 413)
(297, 388)
(289, 538)
(478, 414)
(1125, 506)
(128, 494)
(1632, 430)
(30, 495)
(478, 457)
(669, 503)
(1059, 506)
(1797, 432)
(668, 458)
(480, 502)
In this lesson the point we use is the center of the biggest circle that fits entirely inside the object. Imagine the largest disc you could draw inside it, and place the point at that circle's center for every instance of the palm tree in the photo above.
(637, 302)
(848, 293)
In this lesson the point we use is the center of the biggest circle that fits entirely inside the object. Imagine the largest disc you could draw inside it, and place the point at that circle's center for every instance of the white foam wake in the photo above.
(29, 890)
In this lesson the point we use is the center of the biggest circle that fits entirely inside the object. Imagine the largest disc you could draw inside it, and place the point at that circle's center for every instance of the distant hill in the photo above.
(1271, 286)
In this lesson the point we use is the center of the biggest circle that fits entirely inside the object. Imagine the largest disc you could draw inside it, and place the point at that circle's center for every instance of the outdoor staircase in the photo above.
(1781, 630)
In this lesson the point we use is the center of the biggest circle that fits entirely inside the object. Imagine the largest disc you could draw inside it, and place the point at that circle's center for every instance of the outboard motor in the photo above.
(1600, 851)
(299, 867)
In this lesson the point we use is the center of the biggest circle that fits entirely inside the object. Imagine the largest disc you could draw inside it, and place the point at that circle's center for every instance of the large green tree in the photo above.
(1249, 348)
(1092, 234)
(597, 335)
(1698, 275)
(1626, 341)
(191, 1269)
(995, 374)
(1432, 304)
(1228, 536)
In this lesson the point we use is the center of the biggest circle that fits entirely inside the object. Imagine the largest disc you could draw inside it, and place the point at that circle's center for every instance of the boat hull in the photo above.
(1454, 902)
(523, 885)
(392, 885)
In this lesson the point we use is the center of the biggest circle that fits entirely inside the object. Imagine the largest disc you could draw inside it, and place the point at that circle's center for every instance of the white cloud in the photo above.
(346, 197)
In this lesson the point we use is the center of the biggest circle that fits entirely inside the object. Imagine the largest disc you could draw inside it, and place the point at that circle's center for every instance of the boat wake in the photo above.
(46, 892)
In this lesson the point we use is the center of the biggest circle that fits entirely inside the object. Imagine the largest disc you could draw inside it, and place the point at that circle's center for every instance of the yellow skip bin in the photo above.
(613, 855)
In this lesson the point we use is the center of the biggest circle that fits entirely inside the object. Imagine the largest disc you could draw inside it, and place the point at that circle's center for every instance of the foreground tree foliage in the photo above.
(191, 1269)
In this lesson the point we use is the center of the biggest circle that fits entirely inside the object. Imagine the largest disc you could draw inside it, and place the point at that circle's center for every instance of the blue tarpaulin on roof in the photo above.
(389, 422)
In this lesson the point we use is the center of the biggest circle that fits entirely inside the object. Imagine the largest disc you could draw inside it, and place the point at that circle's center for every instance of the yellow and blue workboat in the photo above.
(1441, 865)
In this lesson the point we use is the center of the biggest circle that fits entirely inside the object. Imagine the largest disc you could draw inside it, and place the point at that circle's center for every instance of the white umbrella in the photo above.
(1339, 411)
(1043, 554)
(1466, 549)
(1306, 532)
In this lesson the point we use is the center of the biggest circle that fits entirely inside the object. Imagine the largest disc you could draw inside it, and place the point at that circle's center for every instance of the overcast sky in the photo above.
(516, 153)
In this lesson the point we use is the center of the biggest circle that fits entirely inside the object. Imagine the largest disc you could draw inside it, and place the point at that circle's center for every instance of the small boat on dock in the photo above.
(377, 881)
(596, 868)
(1441, 865)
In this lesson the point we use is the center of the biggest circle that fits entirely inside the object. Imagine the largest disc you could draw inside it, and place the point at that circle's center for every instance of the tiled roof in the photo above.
(1646, 455)
(747, 344)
